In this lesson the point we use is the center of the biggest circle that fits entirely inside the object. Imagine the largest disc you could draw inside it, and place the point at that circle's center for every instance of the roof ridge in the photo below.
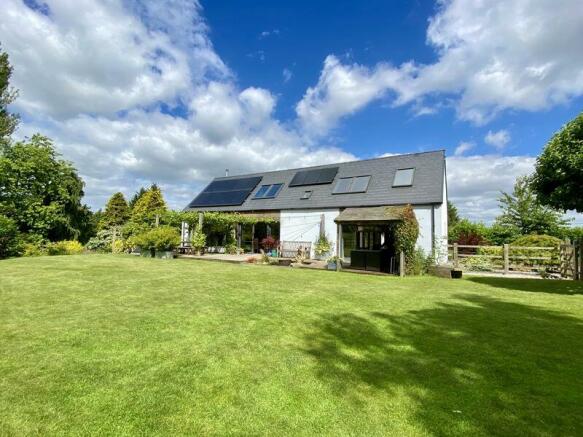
(330, 164)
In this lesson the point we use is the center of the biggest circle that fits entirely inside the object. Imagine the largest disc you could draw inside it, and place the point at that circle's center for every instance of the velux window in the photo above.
(357, 184)
(404, 177)
(268, 191)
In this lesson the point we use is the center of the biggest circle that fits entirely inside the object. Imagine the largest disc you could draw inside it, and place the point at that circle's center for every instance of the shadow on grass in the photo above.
(477, 366)
(532, 285)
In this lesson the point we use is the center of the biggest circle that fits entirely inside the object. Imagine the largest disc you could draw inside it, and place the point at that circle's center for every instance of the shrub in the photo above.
(499, 234)
(535, 241)
(323, 246)
(269, 243)
(198, 241)
(101, 242)
(10, 239)
(34, 249)
(161, 238)
(466, 232)
(65, 247)
(405, 233)
(418, 263)
(477, 264)
(118, 246)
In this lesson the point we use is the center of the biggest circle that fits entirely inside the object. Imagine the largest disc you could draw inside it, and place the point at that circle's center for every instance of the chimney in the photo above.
(226, 172)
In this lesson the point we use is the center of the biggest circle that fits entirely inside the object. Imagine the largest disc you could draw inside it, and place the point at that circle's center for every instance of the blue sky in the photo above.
(175, 91)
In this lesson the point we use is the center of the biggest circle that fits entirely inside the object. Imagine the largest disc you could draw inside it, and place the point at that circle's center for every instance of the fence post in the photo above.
(506, 258)
(402, 264)
(455, 258)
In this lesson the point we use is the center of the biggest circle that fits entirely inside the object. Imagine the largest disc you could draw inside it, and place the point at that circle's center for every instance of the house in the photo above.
(352, 203)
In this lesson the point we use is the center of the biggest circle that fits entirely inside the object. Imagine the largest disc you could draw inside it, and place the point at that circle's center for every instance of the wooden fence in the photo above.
(565, 259)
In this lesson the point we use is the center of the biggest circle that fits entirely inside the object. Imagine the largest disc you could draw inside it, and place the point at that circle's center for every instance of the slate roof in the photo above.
(427, 185)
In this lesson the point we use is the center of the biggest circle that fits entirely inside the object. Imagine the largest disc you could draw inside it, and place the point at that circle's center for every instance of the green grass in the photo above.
(123, 345)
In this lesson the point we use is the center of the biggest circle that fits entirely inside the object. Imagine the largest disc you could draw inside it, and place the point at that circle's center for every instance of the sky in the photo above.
(176, 91)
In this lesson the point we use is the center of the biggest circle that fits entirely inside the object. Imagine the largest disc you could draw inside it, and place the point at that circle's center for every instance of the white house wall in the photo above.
(423, 215)
(304, 225)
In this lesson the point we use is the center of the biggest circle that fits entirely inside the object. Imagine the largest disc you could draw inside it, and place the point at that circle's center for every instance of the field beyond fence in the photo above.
(564, 260)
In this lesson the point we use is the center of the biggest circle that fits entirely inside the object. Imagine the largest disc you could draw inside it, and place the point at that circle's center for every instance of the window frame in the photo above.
(352, 179)
(404, 185)
(267, 190)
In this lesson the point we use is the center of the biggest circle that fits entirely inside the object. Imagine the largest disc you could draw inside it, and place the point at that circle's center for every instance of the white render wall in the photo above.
(423, 215)
(304, 225)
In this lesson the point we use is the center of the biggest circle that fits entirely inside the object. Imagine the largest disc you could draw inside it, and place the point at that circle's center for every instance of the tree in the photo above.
(8, 121)
(148, 206)
(453, 216)
(9, 238)
(523, 211)
(136, 197)
(558, 178)
(117, 212)
(41, 192)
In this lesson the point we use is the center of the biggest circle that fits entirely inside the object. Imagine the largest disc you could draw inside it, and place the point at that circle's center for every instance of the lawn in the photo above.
(122, 345)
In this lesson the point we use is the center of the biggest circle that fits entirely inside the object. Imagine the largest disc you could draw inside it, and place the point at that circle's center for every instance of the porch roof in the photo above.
(370, 214)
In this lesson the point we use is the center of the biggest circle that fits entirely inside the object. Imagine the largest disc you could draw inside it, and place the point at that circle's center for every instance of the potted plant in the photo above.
(270, 245)
(322, 247)
(333, 262)
(159, 242)
(165, 240)
(198, 241)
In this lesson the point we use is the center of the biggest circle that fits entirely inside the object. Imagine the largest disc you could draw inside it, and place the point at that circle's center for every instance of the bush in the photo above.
(323, 246)
(198, 241)
(498, 234)
(101, 242)
(418, 263)
(269, 243)
(118, 246)
(34, 249)
(163, 238)
(477, 264)
(535, 241)
(466, 232)
(65, 247)
(10, 239)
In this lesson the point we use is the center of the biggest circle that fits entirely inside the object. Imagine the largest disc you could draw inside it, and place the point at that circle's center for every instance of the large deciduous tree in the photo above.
(522, 211)
(117, 212)
(453, 216)
(8, 121)
(41, 192)
(558, 179)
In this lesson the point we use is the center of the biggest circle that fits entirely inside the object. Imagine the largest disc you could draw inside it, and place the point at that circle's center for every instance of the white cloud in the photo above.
(492, 56)
(75, 79)
(267, 33)
(463, 147)
(95, 57)
(497, 139)
(342, 90)
(475, 182)
(287, 75)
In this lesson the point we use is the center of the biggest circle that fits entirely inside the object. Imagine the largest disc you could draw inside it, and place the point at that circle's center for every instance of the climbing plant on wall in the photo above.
(405, 233)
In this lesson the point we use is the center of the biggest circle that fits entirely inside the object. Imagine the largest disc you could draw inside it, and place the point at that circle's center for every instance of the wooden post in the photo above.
(455, 257)
(200, 220)
(402, 264)
(338, 242)
(157, 220)
(506, 258)
(575, 261)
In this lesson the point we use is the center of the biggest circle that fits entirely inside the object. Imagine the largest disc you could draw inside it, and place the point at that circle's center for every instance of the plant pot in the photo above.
(456, 274)
(146, 253)
(164, 254)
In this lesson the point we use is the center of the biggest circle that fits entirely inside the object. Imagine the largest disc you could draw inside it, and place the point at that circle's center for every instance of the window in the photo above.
(357, 184)
(404, 177)
(268, 191)
(306, 195)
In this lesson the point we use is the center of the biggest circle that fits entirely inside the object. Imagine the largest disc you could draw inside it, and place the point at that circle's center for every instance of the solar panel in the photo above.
(314, 177)
(226, 192)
